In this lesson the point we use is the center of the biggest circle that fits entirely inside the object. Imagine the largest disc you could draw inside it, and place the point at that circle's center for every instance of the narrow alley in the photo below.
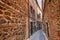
(29, 19)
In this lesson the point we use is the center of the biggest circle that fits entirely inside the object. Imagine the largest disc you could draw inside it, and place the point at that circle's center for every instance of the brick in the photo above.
(2, 21)
(7, 17)
(7, 13)
(2, 8)
(1, 12)
(6, 1)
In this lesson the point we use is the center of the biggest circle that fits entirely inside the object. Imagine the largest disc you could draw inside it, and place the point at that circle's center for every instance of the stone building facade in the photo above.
(35, 16)
(18, 19)
(13, 19)
(52, 19)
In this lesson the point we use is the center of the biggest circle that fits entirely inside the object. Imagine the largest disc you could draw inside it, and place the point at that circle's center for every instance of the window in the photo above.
(31, 9)
(39, 25)
(32, 28)
(32, 12)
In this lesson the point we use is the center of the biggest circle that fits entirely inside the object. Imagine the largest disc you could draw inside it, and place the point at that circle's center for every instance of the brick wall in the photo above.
(13, 19)
(52, 16)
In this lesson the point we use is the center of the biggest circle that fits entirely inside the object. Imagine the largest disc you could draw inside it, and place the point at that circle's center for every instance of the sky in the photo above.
(40, 3)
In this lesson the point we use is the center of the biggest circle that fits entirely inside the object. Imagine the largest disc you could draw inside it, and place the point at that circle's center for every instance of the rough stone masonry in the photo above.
(13, 15)
(52, 16)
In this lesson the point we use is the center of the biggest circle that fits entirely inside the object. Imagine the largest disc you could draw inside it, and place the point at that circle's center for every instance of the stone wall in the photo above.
(13, 19)
(52, 16)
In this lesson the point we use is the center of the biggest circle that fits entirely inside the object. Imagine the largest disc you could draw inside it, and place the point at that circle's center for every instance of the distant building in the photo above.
(35, 16)
(52, 19)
